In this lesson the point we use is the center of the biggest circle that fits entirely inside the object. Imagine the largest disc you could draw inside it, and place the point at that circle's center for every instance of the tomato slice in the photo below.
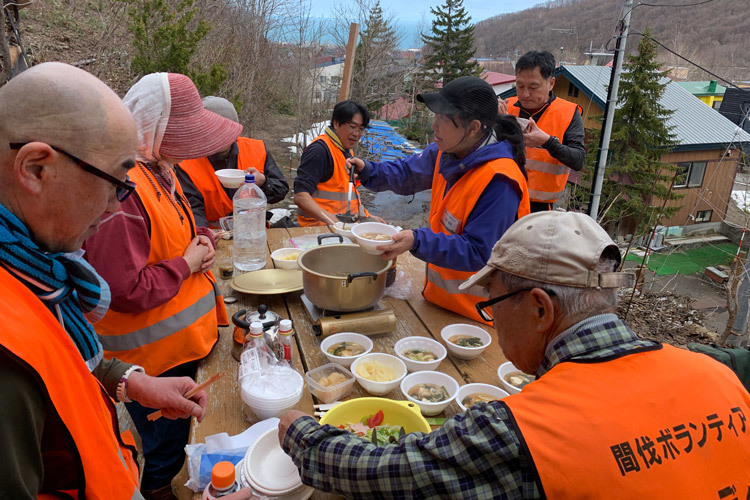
(376, 419)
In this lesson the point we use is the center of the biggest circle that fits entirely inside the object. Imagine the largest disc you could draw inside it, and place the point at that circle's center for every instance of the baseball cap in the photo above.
(221, 107)
(469, 94)
(555, 247)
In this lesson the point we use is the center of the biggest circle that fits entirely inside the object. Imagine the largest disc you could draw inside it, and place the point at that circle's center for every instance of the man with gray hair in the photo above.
(608, 416)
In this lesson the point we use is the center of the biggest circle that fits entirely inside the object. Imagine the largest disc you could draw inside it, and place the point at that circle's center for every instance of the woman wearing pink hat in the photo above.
(165, 306)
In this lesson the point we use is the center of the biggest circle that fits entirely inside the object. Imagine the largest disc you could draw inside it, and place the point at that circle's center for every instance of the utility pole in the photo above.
(351, 48)
(609, 112)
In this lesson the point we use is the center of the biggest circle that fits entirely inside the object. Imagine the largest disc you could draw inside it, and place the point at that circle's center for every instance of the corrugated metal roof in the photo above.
(696, 125)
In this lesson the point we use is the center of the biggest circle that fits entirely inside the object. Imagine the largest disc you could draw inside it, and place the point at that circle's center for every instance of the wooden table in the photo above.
(414, 316)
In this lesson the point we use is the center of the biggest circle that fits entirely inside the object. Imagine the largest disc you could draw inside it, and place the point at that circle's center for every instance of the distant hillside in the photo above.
(715, 35)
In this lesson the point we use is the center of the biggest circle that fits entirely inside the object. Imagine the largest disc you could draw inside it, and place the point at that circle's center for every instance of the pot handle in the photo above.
(368, 274)
(321, 237)
(236, 319)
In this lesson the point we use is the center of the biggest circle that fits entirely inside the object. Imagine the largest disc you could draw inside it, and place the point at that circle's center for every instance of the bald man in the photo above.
(66, 145)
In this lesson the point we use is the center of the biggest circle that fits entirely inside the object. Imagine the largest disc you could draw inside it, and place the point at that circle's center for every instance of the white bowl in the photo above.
(430, 377)
(269, 468)
(231, 177)
(468, 389)
(369, 245)
(346, 361)
(380, 388)
(465, 329)
(344, 229)
(425, 343)
(282, 392)
(280, 263)
(503, 371)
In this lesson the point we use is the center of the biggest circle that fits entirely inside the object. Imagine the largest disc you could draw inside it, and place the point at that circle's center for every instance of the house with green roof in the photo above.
(709, 92)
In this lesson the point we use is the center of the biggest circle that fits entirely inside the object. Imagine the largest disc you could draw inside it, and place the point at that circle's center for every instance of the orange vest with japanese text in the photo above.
(184, 328)
(252, 154)
(448, 214)
(663, 423)
(547, 176)
(32, 336)
(331, 194)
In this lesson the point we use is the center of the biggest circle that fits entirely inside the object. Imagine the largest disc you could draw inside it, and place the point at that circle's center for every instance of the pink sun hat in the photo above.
(193, 131)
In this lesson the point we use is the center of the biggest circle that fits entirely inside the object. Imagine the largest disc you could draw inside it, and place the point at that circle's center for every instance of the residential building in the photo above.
(709, 92)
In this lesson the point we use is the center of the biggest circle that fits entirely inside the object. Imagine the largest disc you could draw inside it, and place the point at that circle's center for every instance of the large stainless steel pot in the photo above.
(342, 278)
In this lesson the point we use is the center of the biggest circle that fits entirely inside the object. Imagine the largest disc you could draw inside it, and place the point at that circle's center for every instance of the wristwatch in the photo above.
(122, 385)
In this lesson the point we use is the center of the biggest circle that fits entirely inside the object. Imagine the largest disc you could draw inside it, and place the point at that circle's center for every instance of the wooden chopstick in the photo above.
(189, 394)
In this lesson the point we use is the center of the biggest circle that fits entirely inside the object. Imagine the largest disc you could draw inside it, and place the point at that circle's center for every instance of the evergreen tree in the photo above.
(450, 46)
(636, 182)
(375, 75)
(165, 40)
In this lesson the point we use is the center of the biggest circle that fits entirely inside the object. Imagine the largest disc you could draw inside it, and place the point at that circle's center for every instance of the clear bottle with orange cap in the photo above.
(222, 482)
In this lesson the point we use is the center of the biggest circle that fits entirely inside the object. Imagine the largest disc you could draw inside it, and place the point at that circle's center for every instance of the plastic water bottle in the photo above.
(249, 226)
(222, 482)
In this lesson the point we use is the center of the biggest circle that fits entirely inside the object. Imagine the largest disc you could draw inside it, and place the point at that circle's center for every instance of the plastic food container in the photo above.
(331, 393)
(402, 413)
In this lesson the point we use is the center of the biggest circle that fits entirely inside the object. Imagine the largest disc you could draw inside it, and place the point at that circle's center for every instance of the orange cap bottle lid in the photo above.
(222, 475)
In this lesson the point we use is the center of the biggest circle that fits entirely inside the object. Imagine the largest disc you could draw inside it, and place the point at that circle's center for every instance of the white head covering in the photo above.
(149, 101)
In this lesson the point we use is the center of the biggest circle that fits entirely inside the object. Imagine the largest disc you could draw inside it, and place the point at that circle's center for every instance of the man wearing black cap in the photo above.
(475, 170)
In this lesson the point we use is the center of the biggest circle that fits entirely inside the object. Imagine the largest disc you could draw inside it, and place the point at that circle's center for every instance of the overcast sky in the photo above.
(415, 10)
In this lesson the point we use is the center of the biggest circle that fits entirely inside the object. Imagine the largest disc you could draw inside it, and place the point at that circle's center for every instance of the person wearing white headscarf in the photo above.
(165, 308)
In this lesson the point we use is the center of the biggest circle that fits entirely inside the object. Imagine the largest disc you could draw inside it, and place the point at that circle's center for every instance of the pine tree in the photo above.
(375, 74)
(636, 182)
(450, 46)
(165, 40)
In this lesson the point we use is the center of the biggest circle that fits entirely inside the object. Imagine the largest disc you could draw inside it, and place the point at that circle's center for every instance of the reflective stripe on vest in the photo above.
(83, 406)
(331, 195)
(547, 176)
(191, 316)
(448, 215)
(216, 203)
(663, 423)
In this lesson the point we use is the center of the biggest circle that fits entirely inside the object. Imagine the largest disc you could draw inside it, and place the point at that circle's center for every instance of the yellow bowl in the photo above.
(401, 413)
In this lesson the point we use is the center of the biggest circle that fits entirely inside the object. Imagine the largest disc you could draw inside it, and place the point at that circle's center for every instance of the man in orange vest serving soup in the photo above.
(67, 144)
(608, 416)
(554, 136)
(209, 200)
(475, 168)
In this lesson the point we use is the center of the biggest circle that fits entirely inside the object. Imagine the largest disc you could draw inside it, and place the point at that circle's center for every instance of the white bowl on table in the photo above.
(469, 389)
(356, 338)
(269, 470)
(506, 369)
(465, 329)
(278, 257)
(231, 178)
(430, 377)
(380, 388)
(423, 343)
(368, 245)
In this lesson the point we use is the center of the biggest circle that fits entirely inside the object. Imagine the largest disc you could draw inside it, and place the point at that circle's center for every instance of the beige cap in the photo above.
(557, 247)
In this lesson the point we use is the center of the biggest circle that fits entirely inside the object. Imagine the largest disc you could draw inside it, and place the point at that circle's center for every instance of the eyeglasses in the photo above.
(356, 128)
(484, 305)
(123, 188)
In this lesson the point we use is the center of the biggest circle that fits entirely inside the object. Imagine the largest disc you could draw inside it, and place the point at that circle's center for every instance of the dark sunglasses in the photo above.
(123, 188)
(486, 304)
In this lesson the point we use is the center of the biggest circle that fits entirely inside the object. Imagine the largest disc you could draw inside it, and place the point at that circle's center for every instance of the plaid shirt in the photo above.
(478, 454)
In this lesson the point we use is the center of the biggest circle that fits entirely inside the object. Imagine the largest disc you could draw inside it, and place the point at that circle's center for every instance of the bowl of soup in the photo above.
(465, 341)
(378, 373)
(420, 353)
(513, 379)
(470, 394)
(344, 348)
(432, 391)
(370, 235)
(286, 258)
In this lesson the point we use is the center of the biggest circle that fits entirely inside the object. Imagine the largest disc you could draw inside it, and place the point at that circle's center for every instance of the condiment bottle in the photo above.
(254, 338)
(285, 341)
(222, 481)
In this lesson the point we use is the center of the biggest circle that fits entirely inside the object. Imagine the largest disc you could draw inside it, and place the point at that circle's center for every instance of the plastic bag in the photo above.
(401, 287)
(201, 463)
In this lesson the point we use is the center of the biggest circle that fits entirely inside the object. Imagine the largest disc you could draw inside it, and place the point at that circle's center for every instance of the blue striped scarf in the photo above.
(65, 283)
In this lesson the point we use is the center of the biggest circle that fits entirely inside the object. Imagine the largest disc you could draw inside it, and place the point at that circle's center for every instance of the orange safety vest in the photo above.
(32, 336)
(547, 176)
(663, 423)
(448, 214)
(184, 328)
(331, 194)
(252, 154)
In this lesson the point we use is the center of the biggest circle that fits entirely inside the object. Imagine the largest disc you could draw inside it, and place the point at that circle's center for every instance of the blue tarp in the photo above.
(384, 143)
